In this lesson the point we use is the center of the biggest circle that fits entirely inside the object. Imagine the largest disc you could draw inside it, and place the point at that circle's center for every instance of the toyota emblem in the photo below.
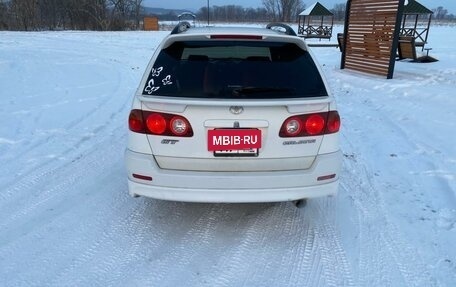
(236, 110)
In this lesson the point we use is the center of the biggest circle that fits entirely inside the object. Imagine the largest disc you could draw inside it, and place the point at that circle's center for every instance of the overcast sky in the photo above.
(450, 5)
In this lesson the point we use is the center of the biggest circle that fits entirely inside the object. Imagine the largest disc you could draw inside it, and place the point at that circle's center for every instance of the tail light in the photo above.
(311, 125)
(136, 122)
(156, 123)
(315, 124)
(179, 126)
(292, 127)
(333, 124)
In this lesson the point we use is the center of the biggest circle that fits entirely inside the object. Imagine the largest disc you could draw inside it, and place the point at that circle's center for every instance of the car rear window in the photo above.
(234, 70)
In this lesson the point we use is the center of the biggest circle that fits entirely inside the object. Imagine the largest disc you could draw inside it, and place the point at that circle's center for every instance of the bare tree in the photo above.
(4, 17)
(233, 13)
(51, 13)
(291, 9)
(440, 13)
(283, 10)
(25, 14)
(137, 7)
(273, 9)
(73, 15)
(339, 12)
(96, 10)
(228, 13)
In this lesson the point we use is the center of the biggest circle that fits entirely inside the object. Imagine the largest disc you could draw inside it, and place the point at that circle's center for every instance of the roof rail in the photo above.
(281, 27)
(181, 27)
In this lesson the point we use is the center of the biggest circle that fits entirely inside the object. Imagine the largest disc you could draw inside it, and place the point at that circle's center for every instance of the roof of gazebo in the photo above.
(414, 7)
(316, 10)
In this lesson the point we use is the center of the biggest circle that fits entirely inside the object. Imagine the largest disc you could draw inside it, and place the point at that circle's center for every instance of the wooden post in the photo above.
(400, 12)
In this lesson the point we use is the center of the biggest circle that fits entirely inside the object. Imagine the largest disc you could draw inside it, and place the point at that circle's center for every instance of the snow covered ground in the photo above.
(66, 218)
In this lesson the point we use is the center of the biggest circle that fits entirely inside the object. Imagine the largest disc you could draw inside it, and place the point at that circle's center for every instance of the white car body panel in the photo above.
(233, 187)
(183, 169)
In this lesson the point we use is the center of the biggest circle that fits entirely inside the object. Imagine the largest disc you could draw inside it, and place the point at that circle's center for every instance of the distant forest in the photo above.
(103, 15)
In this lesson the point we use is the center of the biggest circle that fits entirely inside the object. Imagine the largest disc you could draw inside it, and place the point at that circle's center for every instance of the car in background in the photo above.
(233, 114)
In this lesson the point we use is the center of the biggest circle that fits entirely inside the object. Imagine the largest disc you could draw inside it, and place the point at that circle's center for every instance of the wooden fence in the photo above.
(371, 36)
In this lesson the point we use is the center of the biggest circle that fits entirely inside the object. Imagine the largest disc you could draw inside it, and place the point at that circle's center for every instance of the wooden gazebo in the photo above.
(316, 22)
(416, 21)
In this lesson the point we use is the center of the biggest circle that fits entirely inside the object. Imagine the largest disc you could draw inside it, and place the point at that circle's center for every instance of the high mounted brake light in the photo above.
(237, 37)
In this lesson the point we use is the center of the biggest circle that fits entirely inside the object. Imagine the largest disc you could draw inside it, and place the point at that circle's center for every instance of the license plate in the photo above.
(234, 141)
(242, 152)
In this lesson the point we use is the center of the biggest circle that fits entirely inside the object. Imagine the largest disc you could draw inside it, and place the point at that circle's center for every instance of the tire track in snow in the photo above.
(32, 214)
(119, 245)
(311, 264)
(158, 225)
(293, 227)
(42, 172)
(245, 246)
(190, 244)
(335, 266)
(379, 234)
(428, 150)
(101, 263)
(394, 260)
(47, 169)
(60, 179)
(121, 83)
(312, 255)
(286, 256)
(232, 263)
(274, 224)
(320, 260)
(60, 247)
(211, 262)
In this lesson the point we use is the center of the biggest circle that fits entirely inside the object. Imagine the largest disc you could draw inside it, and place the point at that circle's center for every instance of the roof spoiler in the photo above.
(181, 27)
(280, 27)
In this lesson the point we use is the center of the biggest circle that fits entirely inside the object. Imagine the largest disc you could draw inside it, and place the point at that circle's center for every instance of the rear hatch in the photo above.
(217, 132)
(236, 95)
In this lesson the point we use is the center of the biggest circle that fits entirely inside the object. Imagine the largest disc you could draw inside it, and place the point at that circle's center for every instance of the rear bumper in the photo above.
(273, 186)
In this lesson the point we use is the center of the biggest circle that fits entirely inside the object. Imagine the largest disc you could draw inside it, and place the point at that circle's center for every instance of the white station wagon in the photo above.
(233, 115)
